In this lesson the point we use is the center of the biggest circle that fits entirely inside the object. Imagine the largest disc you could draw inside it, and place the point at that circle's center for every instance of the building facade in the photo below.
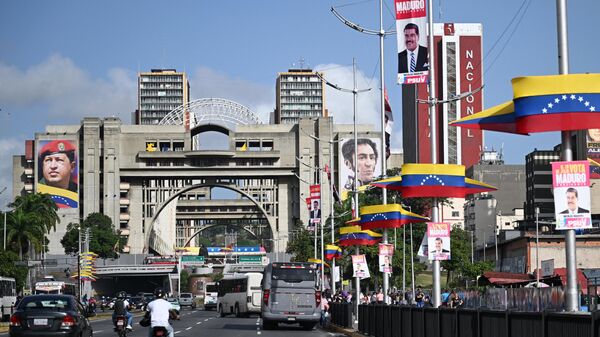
(300, 93)
(159, 92)
(539, 191)
(459, 64)
(160, 192)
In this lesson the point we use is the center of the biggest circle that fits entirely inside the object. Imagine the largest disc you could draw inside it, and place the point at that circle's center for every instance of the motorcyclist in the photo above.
(160, 311)
(121, 308)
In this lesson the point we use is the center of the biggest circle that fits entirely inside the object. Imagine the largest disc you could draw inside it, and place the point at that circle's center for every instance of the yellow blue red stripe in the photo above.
(543, 103)
(387, 216)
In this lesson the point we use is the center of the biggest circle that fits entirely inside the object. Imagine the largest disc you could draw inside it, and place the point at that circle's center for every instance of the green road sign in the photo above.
(192, 260)
(250, 259)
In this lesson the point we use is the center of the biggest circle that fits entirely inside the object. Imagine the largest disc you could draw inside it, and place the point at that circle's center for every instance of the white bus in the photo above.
(211, 294)
(8, 296)
(239, 294)
(55, 287)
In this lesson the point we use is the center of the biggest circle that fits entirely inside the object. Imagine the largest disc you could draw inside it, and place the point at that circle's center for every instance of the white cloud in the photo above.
(340, 104)
(207, 83)
(67, 90)
(7, 146)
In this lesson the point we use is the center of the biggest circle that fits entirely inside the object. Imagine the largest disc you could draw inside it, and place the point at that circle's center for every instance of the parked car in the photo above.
(174, 304)
(50, 315)
(187, 300)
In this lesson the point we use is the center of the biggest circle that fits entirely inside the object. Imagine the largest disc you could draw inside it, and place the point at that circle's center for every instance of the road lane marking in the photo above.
(188, 328)
(198, 323)
(176, 332)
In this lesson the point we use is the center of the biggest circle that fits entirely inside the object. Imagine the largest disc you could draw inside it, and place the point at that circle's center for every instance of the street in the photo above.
(208, 323)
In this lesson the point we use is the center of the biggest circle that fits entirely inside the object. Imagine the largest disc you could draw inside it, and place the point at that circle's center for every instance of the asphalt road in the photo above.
(207, 323)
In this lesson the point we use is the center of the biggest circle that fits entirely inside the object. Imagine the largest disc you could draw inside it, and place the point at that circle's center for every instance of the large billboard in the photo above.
(593, 151)
(58, 171)
(369, 162)
(458, 69)
(411, 25)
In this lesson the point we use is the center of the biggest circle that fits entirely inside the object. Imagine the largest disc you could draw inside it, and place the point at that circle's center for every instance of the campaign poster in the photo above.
(315, 206)
(386, 253)
(411, 28)
(58, 171)
(369, 163)
(424, 247)
(571, 183)
(438, 240)
(359, 267)
(593, 152)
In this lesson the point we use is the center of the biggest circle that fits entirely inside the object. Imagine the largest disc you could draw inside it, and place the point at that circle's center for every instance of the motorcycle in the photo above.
(121, 325)
(159, 331)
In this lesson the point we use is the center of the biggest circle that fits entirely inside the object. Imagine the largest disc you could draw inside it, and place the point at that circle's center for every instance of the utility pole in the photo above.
(571, 294)
(381, 33)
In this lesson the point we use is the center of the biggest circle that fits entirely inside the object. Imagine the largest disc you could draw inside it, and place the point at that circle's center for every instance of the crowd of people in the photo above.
(450, 297)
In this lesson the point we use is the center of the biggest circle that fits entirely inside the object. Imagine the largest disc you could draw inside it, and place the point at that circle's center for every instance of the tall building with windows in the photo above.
(539, 191)
(159, 92)
(458, 70)
(299, 93)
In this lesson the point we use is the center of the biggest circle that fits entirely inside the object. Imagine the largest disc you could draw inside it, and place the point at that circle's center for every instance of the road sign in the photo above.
(192, 260)
(251, 259)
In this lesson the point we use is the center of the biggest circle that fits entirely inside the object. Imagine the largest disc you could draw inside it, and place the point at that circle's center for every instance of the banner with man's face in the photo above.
(411, 28)
(438, 236)
(571, 182)
(369, 162)
(58, 171)
(593, 151)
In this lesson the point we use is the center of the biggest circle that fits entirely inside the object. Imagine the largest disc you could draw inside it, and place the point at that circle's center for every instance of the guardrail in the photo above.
(134, 269)
(381, 320)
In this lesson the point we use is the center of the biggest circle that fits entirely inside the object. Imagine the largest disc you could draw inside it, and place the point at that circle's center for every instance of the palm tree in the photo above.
(41, 205)
(24, 230)
(33, 217)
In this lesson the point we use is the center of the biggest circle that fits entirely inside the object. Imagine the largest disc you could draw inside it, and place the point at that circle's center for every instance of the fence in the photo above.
(405, 321)
(341, 314)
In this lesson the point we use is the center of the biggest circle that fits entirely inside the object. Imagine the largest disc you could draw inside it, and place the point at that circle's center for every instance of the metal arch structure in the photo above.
(212, 111)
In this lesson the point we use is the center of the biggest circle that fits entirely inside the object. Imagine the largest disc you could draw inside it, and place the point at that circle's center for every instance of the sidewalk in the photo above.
(352, 332)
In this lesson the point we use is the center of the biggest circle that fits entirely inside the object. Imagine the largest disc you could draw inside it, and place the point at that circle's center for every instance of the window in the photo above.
(455, 214)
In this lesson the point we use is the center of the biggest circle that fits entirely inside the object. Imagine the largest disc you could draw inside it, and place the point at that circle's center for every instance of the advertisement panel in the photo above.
(571, 183)
(58, 171)
(369, 162)
(315, 207)
(593, 151)
(438, 236)
(411, 28)
(359, 267)
(386, 252)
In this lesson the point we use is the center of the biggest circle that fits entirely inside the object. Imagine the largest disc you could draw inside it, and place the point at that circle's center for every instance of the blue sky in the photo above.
(63, 60)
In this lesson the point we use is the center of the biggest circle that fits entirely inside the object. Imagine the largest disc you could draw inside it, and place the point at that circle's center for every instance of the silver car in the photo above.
(186, 299)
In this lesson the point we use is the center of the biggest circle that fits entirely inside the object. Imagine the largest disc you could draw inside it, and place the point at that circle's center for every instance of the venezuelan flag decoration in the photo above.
(318, 261)
(434, 181)
(356, 236)
(87, 261)
(543, 103)
(332, 252)
(387, 216)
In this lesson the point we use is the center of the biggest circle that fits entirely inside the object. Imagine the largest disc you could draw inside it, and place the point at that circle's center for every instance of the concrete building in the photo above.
(539, 184)
(300, 93)
(459, 60)
(161, 192)
(517, 251)
(159, 92)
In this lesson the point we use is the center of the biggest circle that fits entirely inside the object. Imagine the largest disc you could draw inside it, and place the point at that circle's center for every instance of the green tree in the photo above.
(9, 269)
(301, 246)
(105, 240)
(460, 268)
(185, 280)
(33, 216)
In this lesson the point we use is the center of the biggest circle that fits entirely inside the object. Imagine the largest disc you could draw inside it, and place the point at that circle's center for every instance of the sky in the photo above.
(64, 60)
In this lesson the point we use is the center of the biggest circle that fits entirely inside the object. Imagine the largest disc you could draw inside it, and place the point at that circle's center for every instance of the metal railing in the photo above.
(405, 321)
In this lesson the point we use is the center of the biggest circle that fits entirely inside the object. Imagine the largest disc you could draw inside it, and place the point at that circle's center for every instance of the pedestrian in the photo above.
(324, 312)
(419, 296)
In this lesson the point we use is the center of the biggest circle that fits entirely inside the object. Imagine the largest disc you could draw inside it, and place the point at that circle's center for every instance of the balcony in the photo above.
(124, 186)
(124, 202)
(124, 217)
